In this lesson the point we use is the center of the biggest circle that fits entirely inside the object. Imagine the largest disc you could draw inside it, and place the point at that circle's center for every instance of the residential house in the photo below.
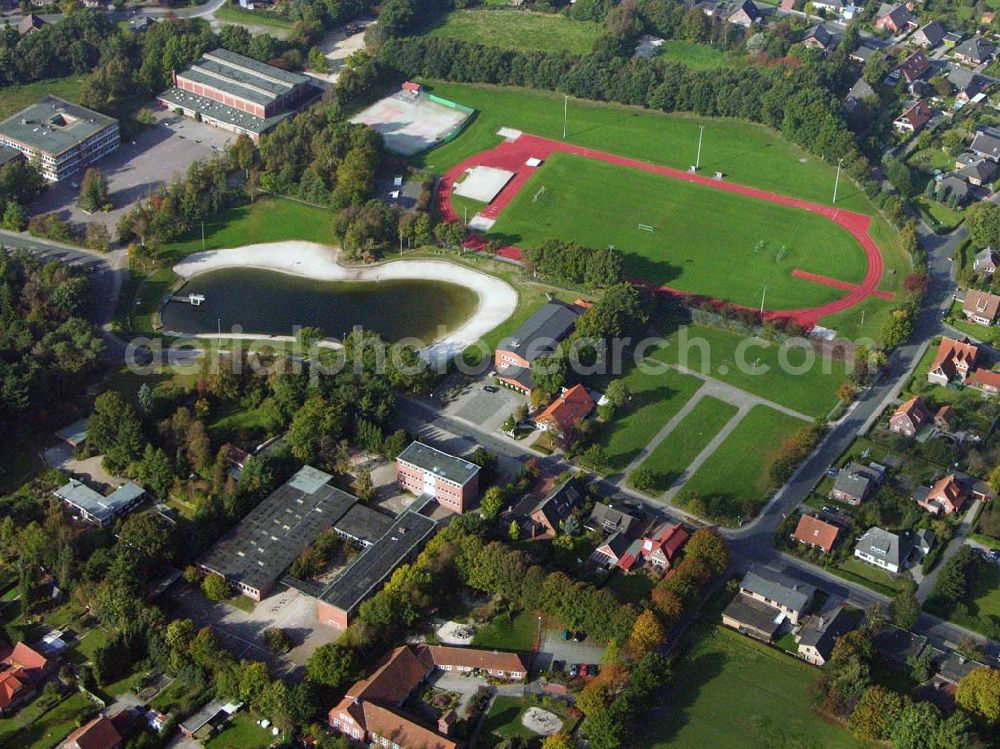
(31, 23)
(929, 36)
(614, 550)
(22, 671)
(812, 531)
(566, 411)
(909, 417)
(538, 336)
(99, 733)
(986, 144)
(855, 482)
(860, 92)
(830, 6)
(818, 37)
(497, 664)
(745, 14)
(787, 595)
(883, 549)
(819, 635)
(946, 419)
(914, 118)
(954, 362)
(975, 51)
(661, 547)
(551, 512)
(752, 617)
(950, 493)
(966, 158)
(898, 645)
(954, 187)
(608, 519)
(986, 261)
(981, 307)
(894, 18)
(966, 84)
(863, 53)
(980, 174)
(985, 381)
(914, 67)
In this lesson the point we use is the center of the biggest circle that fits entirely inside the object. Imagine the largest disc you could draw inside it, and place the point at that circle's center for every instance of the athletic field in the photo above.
(683, 235)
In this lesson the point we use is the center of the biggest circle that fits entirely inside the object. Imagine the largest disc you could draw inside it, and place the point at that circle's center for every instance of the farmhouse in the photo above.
(882, 549)
(566, 411)
(981, 307)
(62, 138)
(954, 362)
(538, 336)
(96, 508)
(929, 36)
(975, 51)
(855, 482)
(237, 93)
(986, 261)
(812, 531)
(424, 470)
(909, 417)
(549, 514)
(819, 635)
(914, 118)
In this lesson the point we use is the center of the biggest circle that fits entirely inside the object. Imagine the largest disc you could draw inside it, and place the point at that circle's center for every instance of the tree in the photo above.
(14, 217)
(215, 587)
(876, 713)
(114, 429)
(709, 547)
(514, 531)
(549, 373)
(363, 486)
(145, 399)
(332, 665)
(93, 190)
(316, 420)
(647, 635)
(617, 393)
(643, 479)
(905, 608)
(559, 741)
(979, 693)
(492, 503)
(148, 533)
(155, 472)
(317, 60)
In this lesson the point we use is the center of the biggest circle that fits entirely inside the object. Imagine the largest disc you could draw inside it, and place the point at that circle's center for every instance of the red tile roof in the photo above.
(669, 539)
(99, 733)
(397, 676)
(23, 656)
(986, 378)
(952, 352)
(402, 730)
(812, 530)
(569, 409)
(949, 492)
(493, 660)
(915, 409)
(14, 682)
(914, 66)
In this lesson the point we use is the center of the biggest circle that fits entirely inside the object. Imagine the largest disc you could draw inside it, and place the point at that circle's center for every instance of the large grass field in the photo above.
(516, 29)
(16, 98)
(731, 692)
(744, 152)
(755, 365)
(735, 478)
(668, 461)
(704, 241)
(695, 56)
(655, 400)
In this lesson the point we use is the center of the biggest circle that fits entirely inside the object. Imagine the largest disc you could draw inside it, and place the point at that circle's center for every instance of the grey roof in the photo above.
(202, 717)
(538, 335)
(898, 644)
(96, 505)
(53, 126)
(986, 255)
(899, 14)
(75, 433)
(986, 144)
(560, 503)
(8, 154)
(966, 158)
(934, 33)
(618, 543)
(363, 524)
(775, 586)
(276, 531)
(520, 375)
(861, 90)
(606, 516)
(864, 52)
(431, 459)
(953, 667)
(975, 48)
(983, 170)
(924, 539)
(823, 631)
(754, 614)
(820, 33)
(854, 480)
(956, 185)
(881, 544)
(370, 569)
(964, 79)
(178, 97)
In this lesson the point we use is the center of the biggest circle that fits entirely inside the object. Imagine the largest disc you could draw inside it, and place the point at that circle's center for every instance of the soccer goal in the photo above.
(538, 195)
(646, 227)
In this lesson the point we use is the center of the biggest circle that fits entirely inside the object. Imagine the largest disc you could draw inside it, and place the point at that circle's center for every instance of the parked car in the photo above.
(490, 388)
(579, 636)
(574, 671)
(558, 666)
(565, 634)
(592, 670)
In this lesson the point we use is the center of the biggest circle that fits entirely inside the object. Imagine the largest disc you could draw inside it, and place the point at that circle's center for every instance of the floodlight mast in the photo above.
(565, 113)
(836, 182)
(697, 160)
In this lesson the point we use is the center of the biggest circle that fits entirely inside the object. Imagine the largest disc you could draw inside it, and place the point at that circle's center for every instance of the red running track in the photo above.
(511, 155)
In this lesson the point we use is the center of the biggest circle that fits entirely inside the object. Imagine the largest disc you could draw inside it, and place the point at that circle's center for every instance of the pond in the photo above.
(271, 303)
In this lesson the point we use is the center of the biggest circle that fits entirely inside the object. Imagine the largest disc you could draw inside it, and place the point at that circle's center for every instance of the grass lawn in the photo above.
(983, 602)
(248, 17)
(84, 650)
(698, 230)
(941, 217)
(502, 633)
(754, 365)
(631, 588)
(266, 220)
(233, 423)
(49, 728)
(735, 478)
(864, 574)
(688, 439)
(241, 733)
(655, 400)
(16, 98)
(695, 56)
(517, 29)
(731, 692)
(504, 719)
(745, 152)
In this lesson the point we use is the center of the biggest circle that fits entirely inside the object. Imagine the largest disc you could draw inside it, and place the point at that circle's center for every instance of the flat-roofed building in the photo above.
(255, 554)
(62, 138)
(424, 470)
(237, 93)
(95, 507)
(339, 601)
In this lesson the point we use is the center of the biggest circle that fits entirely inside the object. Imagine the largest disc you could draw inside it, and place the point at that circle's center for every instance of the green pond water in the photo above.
(262, 301)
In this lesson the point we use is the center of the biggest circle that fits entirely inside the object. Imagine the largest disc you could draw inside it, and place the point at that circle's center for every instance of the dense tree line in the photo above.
(48, 350)
(20, 183)
(951, 593)
(568, 262)
(72, 46)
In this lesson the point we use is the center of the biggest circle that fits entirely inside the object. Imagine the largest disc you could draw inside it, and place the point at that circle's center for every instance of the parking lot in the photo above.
(554, 648)
(138, 167)
(487, 410)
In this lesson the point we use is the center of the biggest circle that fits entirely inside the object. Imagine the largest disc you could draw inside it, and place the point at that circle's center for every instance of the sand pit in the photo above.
(456, 633)
(542, 722)
(483, 183)
(497, 299)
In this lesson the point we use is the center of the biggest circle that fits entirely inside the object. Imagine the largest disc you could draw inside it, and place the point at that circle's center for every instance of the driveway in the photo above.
(487, 410)
(138, 167)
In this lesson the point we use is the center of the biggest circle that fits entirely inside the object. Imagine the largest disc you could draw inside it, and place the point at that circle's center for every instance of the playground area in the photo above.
(412, 120)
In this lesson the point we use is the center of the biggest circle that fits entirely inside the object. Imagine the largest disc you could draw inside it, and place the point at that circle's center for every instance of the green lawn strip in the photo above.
(17, 97)
(236, 424)
(989, 541)
(519, 29)
(266, 220)
(731, 692)
(241, 733)
(695, 56)
(745, 152)
(957, 320)
(697, 231)
(51, 727)
(858, 572)
(232, 14)
(896, 262)
(503, 633)
(655, 400)
(687, 440)
(863, 320)
(84, 650)
(737, 474)
(940, 216)
(504, 719)
(755, 365)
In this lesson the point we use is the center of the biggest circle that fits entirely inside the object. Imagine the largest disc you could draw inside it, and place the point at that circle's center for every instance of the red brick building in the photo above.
(453, 482)
(909, 417)
(538, 336)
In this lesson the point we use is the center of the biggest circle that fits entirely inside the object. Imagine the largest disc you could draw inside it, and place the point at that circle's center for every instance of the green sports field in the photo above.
(696, 239)
(731, 692)
(518, 29)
